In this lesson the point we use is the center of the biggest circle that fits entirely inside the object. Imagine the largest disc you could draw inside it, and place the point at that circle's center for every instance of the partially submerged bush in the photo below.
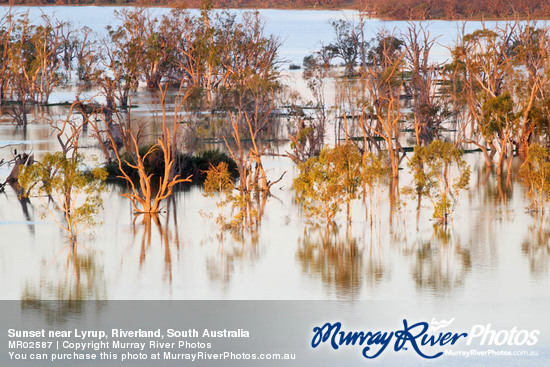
(219, 183)
(186, 164)
(440, 174)
(198, 165)
(334, 178)
(68, 193)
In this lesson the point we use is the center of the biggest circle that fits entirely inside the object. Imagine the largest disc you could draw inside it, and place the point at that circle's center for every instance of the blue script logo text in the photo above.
(415, 336)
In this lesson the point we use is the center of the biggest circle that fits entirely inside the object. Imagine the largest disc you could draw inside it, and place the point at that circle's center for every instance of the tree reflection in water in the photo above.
(536, 247)
(166, 238)
(442, 263)
(237, 250)
(77, 277)
(338, 260)
(242, 244)
(491, 188)
(25, 206)
(56, 297)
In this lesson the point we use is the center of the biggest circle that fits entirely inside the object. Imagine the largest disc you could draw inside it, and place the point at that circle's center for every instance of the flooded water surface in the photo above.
(493, 251)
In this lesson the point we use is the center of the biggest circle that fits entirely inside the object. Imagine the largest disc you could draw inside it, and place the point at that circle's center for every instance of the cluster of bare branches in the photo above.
(188, 62)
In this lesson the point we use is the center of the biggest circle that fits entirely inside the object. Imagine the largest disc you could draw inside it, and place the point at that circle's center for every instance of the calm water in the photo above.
(494, 252)
(490, 265)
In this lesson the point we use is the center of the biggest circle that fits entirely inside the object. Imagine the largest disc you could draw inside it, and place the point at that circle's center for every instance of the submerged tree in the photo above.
(20, 73)
(63, 183)
(145, 197)
(535, 174)
(329, 181)
(308, 136)
(428, 109)
(384, 84)
(478, 74)
(85, 55)
(499, 77)
(348, 44)
(7, 24)
(440, 173)
(499, 126)
(123, 54)
(63, 186)
(46, 43)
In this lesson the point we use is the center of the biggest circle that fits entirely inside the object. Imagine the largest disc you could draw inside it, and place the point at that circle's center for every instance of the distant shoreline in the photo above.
(345, 6)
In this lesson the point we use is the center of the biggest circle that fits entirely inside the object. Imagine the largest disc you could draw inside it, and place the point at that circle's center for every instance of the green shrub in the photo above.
(186, 164)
